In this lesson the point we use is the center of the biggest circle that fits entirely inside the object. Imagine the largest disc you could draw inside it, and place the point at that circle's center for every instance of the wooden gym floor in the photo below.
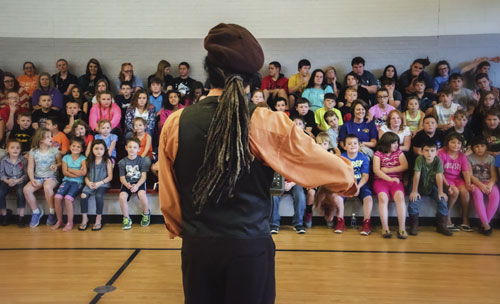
(42, 266)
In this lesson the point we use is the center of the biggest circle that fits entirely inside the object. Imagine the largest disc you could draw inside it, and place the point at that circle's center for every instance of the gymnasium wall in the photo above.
(328, 32)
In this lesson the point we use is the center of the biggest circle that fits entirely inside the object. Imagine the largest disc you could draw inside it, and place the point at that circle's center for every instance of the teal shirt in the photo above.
(74, 164)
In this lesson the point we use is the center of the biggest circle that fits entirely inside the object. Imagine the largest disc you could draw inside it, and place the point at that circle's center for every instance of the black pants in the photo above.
(228, 271)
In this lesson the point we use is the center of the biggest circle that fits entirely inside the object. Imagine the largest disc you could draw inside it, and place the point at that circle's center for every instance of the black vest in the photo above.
(246, 215)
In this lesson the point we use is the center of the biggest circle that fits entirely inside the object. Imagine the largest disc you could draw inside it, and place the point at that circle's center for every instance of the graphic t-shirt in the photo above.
(481, 168)
(132, 168)
(360, 165)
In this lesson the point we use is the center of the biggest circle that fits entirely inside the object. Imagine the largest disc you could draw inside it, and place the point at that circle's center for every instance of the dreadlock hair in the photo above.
(227, 154)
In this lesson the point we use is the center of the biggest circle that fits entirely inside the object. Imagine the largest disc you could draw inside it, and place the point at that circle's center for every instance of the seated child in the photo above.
(299, 205)
(133, 172)
(73, 113)
(281, 105)
(428, 181)
(13, 174)
(445, 110)
(428, 133)
(74, 169)
(23, 132)
(39, 117)
(104, 133)
(332, 121)
(302, 108)
(361, 166)
(345, 108)
(413, 116)
(395, 96)
(146, 148)
(82, 130)
(328, 105)
(459, 123)
(59, 139)
(380, 111)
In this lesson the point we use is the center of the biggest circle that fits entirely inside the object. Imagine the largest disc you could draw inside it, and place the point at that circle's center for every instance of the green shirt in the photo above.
(427, 173)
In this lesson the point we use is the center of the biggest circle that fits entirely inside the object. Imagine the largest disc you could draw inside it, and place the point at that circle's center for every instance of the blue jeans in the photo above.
(442, 205)
(299, 206)
(4, 189)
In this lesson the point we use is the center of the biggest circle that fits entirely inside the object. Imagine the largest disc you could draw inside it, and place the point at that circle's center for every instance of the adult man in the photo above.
(275, 84)
(215, 179)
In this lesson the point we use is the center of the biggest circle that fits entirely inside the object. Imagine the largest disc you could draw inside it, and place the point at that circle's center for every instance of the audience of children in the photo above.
(438, 167)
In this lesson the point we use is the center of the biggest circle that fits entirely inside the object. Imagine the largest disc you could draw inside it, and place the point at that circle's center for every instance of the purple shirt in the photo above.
(57, 98)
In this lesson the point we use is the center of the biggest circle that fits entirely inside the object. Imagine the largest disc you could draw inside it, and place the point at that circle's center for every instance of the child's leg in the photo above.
(154, 168)
(383, 201)
(48, 189)
(4, 189)
(123, 203)
(59, 212)
(480, 208)
(143, 199)
(399, 199)
(367, 207)
(68, 202)
(464, 199)
(21, 200)
(84, 207)
(452, 199)
(493, 201)
(29, 191)
(339, 203)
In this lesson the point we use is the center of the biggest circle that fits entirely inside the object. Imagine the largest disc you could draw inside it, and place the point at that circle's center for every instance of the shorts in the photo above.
(383, 186)
(457, 181)
(42, 180)
(126, 190)
(68, 190)
(363, 192)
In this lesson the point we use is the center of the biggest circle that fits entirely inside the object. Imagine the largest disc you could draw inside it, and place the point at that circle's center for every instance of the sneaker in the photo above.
(51, 219)
(126, 223)
(21, 222)
(365, 229)
(340, 227)
(35, 218)
(146, 219)
(308, 220)
(274, 230)
(299, 229)
(453, 227)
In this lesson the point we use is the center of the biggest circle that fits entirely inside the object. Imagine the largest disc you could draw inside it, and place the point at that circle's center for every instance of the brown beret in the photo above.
(234, 48)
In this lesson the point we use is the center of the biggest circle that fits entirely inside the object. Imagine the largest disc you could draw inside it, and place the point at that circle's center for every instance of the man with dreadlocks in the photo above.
(217, 159)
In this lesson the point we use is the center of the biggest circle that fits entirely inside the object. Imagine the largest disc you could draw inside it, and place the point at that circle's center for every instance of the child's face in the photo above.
(460, 121)
(395, 121)
(323, 143)
(351, 81)
(45, 102)
(75, 148)
(454, 145)
(382, 98)
(139, 127)
(155, 88)
(273, 71)
(330, 74)
(420, 87)
(445, 99)
(443, 70)
(166, 71)
(105, 100)
(197, 93)
(173, 99)
(47, 140)
(14, 149)
(456, 84)
(24, 122)
(105, 129)
(80, 131)
(333, 122)
(304, 71)
(142, 100)
(390, 87)
(429, 153)
(483, 84)
(489, 100)
(318, 79)
(99, 150)
(72, 108)
(183, 71)
(75, 93)
(492, 122)
(132, 148)
(8, 82)
(51, 126)
(351, 145)
(413, 105)
(329, 103)
(394, 146)
(13, 98)
(299, 123)
(126, 90)
(101, 87)
(257, 97)
(480, 149)
(351, 96)
(302, 109)
(44, 81)
(430, 125)
(280, 106)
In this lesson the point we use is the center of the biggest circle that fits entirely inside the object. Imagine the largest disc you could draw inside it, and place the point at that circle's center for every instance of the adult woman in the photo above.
(29, 80)
(390, 72)
(163, 72)
(140, 107)
(127, 74)
(331, 80)
(212, 196)
(359, 126)
(88, 81)
(45, 84)
(10, 84)
(316, 89)
(395, 125)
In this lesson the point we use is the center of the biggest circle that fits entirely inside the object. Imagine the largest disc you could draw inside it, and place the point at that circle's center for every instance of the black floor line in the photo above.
(279, 250)
(117, 274)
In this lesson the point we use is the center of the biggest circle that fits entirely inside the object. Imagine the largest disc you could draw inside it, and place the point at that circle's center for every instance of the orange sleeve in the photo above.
(275, 140)
(170, 204)
(64, 143)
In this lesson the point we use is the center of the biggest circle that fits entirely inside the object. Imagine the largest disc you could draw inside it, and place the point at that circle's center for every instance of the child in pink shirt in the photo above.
(105, 108)
(455, 166)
